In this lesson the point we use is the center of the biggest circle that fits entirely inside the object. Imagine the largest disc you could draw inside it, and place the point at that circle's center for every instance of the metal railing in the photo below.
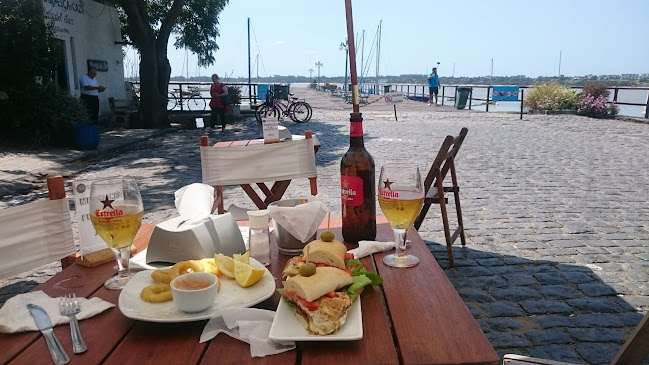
(421, 91)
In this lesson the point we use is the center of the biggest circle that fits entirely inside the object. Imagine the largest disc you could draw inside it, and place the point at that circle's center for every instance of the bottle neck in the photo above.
(356, 130)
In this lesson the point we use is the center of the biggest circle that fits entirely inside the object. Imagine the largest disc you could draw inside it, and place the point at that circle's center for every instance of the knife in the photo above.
(45, 325)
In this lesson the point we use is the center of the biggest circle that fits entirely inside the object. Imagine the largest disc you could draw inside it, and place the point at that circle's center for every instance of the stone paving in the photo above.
(555, 207)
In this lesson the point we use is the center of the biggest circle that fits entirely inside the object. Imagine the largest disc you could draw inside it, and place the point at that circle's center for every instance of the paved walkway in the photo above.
(555, 207)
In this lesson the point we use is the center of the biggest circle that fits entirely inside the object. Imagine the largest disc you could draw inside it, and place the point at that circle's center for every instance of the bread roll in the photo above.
(325, 280)
(329, 253)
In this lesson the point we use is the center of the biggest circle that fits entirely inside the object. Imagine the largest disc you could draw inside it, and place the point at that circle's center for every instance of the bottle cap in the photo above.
(258, 218)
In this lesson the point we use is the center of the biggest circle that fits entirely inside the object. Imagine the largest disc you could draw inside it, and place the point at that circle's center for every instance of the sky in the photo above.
(522, 37)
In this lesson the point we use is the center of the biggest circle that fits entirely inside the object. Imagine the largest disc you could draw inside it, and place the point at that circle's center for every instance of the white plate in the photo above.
(231, 295)
(286, 327)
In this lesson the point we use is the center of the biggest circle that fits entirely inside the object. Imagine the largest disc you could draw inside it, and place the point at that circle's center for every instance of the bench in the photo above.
(122, 108)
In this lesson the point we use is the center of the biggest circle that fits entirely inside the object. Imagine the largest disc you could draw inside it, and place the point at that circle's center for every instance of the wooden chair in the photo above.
(442, 165)
(37, 233)
(634, 351)
(253, 162)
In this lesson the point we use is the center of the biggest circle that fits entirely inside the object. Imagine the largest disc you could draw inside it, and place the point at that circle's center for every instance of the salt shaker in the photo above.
(258, 236)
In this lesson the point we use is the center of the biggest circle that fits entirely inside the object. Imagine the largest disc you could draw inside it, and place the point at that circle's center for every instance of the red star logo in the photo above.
(387, 184)
(107, 203)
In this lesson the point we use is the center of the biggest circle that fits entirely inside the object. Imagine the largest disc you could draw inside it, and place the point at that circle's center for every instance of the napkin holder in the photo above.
(179, 239)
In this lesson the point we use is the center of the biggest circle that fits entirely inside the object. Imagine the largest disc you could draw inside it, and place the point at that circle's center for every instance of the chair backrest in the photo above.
(445, 159)
(36, 233)
(636, 348)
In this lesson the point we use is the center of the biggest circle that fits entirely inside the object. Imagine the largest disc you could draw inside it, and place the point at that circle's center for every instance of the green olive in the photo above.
(307, 269)
(327, 236)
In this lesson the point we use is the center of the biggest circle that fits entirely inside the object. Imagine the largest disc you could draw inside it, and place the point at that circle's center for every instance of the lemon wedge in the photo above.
(209, 265)
(225, 264)
(245, 258)
(246, 275)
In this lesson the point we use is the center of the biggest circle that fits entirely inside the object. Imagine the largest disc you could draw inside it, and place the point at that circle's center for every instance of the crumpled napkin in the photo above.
(194, 201)
(301, 221)
(249, 325)
(366, 248)
(15, 317)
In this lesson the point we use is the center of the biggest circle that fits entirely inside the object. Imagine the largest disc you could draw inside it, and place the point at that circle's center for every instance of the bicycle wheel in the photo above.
(301, 112)
(196, 104)
(266, 111)
(172, 102)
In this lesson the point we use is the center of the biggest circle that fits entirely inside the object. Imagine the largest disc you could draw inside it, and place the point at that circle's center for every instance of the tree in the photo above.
(148, 25)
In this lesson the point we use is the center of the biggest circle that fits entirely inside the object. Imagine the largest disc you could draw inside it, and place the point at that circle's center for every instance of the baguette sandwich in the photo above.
(322, 295)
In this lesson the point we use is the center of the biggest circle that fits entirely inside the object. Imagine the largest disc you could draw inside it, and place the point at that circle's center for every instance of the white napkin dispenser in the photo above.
(177, 239)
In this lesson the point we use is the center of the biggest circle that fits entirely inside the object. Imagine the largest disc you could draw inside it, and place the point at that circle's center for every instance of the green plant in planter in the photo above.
(551, 96)
(235, 94)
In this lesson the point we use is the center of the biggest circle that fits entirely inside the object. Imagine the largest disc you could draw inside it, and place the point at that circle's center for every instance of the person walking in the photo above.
(433, 85)
(90, 90)
(217, 91)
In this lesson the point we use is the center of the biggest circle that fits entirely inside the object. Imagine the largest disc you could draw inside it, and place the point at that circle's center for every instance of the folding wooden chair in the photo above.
(634, 351)
(443, 163)
(253, 162)
(37, 233)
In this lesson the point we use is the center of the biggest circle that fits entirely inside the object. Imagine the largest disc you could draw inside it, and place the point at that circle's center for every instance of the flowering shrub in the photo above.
(596, 89)
(551, 96)
(596, 107)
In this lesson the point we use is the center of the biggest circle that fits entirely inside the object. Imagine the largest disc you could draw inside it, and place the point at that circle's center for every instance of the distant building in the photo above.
(644, 76)
(89, 32)
(629, 76)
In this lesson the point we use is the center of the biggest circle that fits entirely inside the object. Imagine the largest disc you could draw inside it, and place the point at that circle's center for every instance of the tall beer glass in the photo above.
(116, 213)
(401, 196)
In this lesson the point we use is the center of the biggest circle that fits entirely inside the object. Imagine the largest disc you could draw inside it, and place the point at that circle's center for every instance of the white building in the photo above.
(89, 32)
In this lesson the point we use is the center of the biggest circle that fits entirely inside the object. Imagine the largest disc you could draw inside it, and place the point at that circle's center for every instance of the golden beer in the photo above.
(119, 226)
(400, 207)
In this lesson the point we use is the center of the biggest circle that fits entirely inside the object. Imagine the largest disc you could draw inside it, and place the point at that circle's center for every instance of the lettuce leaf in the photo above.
(353, 262)
(360, 281)
(375, 278)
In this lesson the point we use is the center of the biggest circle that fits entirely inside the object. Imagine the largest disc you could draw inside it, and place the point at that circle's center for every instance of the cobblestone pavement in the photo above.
(555, 208)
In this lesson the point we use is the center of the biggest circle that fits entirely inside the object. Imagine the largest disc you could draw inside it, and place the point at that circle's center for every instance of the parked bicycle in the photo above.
(191, 98)
(297, 109)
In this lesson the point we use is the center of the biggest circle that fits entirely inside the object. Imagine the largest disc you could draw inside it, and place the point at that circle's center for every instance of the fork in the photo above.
(69, 306)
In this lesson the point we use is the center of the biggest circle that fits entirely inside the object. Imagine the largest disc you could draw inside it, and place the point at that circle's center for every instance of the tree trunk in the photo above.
(154, 81)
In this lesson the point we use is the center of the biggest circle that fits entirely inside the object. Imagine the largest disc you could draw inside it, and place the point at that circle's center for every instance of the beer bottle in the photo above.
(357, 187)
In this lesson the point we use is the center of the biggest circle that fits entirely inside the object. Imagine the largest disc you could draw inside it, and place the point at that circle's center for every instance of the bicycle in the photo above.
(192, 98)
(298, 110)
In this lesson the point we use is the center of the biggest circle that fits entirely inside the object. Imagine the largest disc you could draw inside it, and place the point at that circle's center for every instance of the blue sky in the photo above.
(523, 37)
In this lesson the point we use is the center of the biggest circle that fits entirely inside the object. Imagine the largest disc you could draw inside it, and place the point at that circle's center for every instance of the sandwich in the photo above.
(323, 283)
(318, 305)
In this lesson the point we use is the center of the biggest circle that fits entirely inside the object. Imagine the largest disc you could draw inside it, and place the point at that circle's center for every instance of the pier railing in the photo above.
(418, 91)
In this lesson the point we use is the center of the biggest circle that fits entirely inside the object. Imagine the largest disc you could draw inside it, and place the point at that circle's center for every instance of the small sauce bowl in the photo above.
(194, 292)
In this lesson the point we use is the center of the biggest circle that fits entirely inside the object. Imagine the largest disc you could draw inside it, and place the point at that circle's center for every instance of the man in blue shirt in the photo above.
(433, 85)
(90, 90)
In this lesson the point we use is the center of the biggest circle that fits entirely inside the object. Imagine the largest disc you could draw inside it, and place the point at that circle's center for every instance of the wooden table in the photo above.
(415, 317)
(273, 193)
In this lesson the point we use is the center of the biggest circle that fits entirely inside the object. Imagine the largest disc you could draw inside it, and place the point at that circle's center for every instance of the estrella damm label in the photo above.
(351, 190)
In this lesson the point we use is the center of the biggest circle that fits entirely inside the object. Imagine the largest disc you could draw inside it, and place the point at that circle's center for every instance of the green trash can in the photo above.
(386, 88)
(461, 96)
(281, 91)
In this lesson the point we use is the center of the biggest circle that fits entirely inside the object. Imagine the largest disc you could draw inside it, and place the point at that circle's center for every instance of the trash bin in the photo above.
(281, 91)
(461, 96)
(386, 88)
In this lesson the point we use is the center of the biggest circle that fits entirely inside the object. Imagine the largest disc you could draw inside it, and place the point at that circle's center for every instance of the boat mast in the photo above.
(249, 74)
(378, 54)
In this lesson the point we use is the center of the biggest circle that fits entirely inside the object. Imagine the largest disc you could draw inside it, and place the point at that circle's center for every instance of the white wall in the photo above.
(89, 30)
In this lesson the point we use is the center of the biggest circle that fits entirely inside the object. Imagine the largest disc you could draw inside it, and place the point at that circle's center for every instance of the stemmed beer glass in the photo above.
(116, 213)
(401, 196)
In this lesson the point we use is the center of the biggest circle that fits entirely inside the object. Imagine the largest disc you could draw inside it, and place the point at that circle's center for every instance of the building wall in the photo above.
(89, 31)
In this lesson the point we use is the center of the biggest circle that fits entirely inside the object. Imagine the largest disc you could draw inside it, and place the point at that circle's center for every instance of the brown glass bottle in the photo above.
(357, 187)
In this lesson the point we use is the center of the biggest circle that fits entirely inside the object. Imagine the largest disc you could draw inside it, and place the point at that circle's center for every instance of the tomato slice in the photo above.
(349, 256)
(308, 305)
(331, 294)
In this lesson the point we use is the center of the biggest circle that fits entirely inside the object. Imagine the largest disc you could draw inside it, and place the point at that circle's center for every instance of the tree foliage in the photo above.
(148, 25)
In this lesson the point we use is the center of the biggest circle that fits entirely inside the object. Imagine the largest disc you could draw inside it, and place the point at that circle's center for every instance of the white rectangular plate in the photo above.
(231, 295)
(286, 327)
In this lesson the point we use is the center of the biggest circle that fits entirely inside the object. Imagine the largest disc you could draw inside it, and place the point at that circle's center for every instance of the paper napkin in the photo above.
(366, 248)
(301, 221)
(15, 317)
(249, 325)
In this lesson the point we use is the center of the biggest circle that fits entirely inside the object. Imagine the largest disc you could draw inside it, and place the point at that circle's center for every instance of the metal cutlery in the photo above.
(45, 326)
(69, 306)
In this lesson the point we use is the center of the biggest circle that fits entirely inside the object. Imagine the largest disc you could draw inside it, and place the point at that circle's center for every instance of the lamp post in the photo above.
(318, 65)
(310, 73)
(343, 45)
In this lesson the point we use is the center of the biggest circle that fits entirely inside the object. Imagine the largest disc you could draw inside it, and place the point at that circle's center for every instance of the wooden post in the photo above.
(522, 100)
(443, 90)
(646, 107)
(395, 112)
(488, 94)
(312, 180)
(470, 97)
